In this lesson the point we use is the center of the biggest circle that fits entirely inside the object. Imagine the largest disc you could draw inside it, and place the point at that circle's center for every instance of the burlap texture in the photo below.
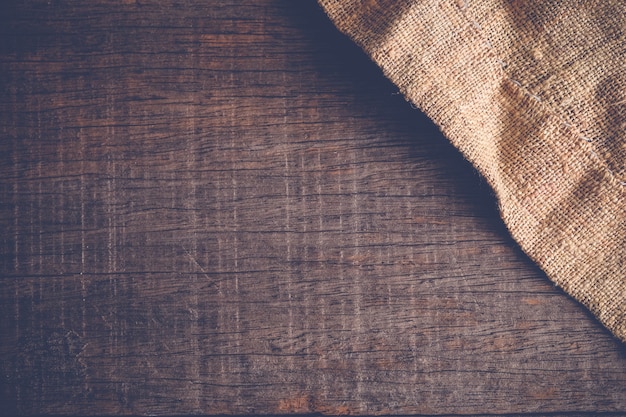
(534, 95)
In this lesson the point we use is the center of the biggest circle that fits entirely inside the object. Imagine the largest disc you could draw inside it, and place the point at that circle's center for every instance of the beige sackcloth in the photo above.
(534, 94)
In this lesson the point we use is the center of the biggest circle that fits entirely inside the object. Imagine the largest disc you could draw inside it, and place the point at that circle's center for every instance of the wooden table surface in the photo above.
(222, 207)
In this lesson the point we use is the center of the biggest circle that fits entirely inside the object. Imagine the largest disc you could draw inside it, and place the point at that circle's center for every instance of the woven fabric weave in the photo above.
(534, 95)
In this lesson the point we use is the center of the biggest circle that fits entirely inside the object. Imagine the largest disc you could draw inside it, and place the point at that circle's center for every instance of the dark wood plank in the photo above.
(221, 207)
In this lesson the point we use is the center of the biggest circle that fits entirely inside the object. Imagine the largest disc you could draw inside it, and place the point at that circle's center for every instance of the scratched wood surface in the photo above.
(222, 207)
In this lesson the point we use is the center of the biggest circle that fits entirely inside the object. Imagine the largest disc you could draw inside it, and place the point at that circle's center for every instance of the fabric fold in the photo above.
(534, 95)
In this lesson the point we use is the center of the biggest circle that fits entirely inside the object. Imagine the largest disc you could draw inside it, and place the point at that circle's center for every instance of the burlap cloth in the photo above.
(534, 95)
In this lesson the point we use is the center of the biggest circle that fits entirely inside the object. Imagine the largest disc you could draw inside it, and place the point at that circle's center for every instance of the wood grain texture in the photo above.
(221, 207)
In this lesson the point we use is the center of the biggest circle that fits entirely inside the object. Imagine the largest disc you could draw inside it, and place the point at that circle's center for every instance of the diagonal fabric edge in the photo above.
(558, 198)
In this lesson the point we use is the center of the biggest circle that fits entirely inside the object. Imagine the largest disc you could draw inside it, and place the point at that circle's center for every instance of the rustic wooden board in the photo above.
(221, 207)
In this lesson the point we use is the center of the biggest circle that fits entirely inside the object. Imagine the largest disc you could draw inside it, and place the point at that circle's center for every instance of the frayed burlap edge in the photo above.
(559, 200)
